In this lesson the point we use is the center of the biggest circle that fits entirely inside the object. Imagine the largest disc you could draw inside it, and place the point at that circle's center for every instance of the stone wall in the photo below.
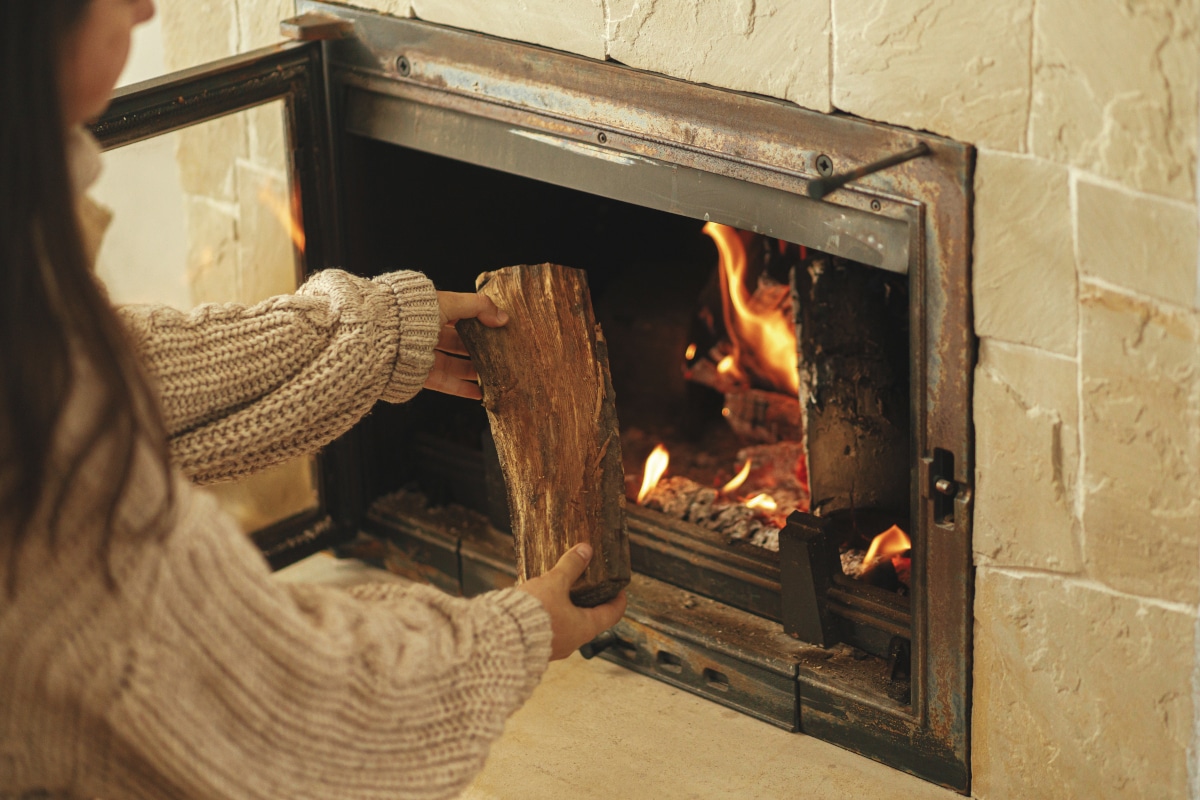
(1087, 401)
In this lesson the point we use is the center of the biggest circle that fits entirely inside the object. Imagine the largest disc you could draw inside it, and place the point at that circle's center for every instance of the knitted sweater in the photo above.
(199, 676)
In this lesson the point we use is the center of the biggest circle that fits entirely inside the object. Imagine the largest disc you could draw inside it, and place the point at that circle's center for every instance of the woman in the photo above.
(144, 651)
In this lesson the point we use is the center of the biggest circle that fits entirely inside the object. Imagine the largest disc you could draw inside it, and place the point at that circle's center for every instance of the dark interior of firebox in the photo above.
(654, 284)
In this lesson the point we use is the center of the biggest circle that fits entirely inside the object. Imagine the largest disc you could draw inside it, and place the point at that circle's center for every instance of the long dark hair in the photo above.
(52, 312)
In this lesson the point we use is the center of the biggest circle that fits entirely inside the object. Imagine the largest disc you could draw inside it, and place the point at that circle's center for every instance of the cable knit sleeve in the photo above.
(244, 388)
(239, 686)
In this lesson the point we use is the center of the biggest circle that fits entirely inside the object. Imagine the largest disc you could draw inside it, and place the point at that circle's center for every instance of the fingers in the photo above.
(454, 376)
(605, 616)
(450, 342)
(469, 305)
(573, 563)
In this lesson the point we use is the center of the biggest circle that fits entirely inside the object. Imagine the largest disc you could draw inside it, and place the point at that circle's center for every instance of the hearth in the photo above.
(418, 146)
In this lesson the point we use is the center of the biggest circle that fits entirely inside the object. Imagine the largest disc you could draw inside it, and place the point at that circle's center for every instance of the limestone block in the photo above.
(270, 496)
(1138, 241)
(1027, 459)
(267, 136)
(1141, 438)
(778, 48)
(212, 271)
(1115, 90)
(1024, 283)
(575, 26)
(955, 67)
(265, 247)
(197, 32)
(207, 154)
(1079, 692)
(259, 22)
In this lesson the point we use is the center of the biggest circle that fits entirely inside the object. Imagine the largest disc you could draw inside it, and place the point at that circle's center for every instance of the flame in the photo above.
(728, 365)
(762, 501)
(891, 542)
(286, 216)
(690, 353)
(656, 465)
(738, 479)
(763, 341)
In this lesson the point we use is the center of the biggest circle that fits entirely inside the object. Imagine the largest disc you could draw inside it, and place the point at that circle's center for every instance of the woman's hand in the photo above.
(571, 625)
(452, 374)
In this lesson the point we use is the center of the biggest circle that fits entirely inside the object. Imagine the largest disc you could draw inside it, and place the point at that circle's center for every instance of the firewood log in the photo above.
(550, 401)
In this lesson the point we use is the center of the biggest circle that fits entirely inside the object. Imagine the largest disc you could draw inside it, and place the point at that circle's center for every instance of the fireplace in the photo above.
(455, 153)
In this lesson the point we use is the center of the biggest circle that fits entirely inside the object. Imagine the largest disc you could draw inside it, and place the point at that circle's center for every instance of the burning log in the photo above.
(549, 397)
(682, 498)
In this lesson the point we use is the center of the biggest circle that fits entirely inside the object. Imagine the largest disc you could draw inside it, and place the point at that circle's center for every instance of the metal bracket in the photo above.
(313, 27)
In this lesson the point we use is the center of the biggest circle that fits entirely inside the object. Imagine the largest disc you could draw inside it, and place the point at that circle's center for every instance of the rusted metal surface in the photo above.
(688, 555)
(458, 94)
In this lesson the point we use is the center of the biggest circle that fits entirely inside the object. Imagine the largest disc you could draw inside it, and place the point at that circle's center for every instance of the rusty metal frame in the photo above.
(293, 73)
(396, 80)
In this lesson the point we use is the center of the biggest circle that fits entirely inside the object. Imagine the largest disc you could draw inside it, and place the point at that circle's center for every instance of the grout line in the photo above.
(831, 60)
(1005, 344)
(1091, 584)
(1033, 16)
(1080, 540)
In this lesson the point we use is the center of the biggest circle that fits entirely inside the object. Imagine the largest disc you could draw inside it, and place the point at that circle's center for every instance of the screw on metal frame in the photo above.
(823, 186)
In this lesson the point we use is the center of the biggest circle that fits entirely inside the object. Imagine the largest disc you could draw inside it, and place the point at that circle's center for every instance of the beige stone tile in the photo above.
(575, 26)
(1024, 265)
(199, 31)
(1027, 459)
(596, 731)
(259, 22)
(1079, 693)
(267, 136)
(1138, 241)
(1115, 90)
(955, 67)
(778, 48)
(207, 156)
(212, 271)
(271, 495)
(1141, 437)
(265, 248)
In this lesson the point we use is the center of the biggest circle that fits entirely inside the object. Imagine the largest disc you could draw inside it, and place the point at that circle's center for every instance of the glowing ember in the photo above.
(764, 340)
(891, 542)
(738, 479)
(728, 365)
(690, 353)
(762, 502)
(284, 214)
(656, 465)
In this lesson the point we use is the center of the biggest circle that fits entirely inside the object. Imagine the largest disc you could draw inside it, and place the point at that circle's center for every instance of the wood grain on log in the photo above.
(549, 398)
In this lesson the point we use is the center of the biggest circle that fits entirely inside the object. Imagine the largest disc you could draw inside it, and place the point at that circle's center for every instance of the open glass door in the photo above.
(230, 170)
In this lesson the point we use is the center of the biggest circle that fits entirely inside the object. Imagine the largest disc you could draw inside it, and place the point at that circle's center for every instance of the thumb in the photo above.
(573, 563)
(466, 305)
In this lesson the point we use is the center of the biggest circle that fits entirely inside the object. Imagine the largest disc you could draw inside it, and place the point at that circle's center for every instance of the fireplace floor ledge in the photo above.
(593, 729)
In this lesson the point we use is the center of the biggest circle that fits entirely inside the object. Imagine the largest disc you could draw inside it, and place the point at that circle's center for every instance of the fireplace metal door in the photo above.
(292, 73)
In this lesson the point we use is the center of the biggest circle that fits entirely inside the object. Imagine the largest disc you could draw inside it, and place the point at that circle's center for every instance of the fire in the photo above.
(764, 341)
(690, 353)
(891, 542)
(656, 465)
(738, 479)
(286, 216)
(762, 501)
(729, 365)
